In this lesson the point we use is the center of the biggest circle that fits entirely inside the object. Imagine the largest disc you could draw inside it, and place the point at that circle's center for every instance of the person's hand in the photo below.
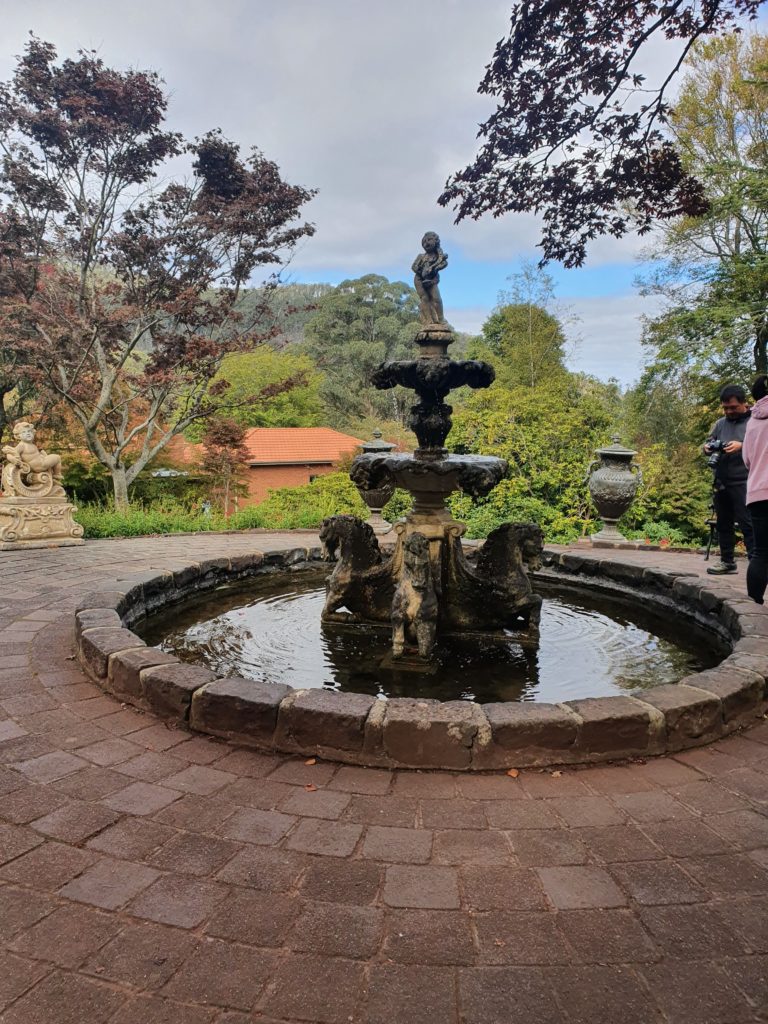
(732, 447)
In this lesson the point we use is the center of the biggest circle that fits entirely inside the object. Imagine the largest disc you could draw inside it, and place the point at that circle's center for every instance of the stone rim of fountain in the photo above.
(417, 733)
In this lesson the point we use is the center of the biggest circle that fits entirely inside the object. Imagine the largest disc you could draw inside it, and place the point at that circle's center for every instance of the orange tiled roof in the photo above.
(280, 446)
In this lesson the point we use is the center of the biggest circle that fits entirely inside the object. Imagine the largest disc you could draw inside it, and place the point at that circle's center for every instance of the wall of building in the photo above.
(262, 479)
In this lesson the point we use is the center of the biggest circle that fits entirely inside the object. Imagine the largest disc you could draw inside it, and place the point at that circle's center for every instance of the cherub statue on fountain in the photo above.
(30, 472)
(426, 278)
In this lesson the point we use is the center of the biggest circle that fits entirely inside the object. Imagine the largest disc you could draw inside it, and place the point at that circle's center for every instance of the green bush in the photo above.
(303, 508)
(141, 520)
(510, 502)
(660, 533)
(289, 508)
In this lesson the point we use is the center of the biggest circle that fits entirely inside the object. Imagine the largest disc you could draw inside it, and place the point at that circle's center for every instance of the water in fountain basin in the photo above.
(270, 629)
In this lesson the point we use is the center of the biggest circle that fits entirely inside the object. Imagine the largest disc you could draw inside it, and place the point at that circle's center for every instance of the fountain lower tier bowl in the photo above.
(430, 476)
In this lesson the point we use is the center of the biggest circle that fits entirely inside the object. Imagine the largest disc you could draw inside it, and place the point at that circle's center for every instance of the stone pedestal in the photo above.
(38, 523)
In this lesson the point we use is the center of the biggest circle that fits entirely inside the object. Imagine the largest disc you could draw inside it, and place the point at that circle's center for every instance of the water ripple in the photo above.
(271, 631)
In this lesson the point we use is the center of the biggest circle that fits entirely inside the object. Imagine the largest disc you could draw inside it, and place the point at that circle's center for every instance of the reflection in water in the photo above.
(270, 630)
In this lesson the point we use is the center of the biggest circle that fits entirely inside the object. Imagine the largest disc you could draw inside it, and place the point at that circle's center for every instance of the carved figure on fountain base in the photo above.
(362, 581)
(427, 586)
(34, 511)
(414, 605)
(496, 593)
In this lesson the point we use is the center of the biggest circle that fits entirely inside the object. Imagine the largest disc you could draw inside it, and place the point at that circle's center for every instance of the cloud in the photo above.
(603, 333)
(372, 104)
(605, 340)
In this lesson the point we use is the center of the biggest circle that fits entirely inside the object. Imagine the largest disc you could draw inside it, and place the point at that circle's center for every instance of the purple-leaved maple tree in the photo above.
(578, 134)
(119, 288)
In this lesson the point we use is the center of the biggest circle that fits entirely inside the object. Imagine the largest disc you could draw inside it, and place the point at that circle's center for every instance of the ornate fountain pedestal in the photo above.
(34, 511)
(427, 587)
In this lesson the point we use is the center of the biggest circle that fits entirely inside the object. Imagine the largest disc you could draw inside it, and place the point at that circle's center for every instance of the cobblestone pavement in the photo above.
(147, 876)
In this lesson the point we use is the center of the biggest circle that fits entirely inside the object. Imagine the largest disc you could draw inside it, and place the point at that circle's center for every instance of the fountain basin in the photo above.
(421, 733)
(269, 629)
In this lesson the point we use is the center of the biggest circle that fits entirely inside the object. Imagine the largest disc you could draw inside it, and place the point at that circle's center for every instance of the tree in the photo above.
(577, 134)
(548, 436)
(122, 291)
(284, 310)
(526, 340)
(287, 383)
(224, 459)
(360, 324)
(713, 270)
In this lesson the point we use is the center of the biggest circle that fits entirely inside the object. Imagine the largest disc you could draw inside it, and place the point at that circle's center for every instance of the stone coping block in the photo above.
(430, 733)
(690, 713)
(740, 691)
(125, 668)
(168, 689)
(96, 645)
(91, 618)
(336, 721)
(527, 732)
(616, 726)
(114, 599)
(238, 709)
(416, 733)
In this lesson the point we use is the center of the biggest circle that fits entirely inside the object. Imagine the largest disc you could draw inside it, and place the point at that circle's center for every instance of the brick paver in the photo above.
(147, 875)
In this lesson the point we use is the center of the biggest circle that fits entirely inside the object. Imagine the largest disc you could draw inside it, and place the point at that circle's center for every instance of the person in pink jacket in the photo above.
(755, 455)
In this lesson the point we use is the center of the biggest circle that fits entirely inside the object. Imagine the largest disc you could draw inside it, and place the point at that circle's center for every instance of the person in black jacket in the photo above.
(730, 477)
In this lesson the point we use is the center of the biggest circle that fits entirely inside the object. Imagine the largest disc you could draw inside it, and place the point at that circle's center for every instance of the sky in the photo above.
(374, 105)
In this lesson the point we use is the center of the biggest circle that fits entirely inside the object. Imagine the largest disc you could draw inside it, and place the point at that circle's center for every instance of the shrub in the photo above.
(305, 507)
(140, 520)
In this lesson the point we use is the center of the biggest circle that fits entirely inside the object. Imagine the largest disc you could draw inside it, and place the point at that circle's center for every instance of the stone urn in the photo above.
(376, 498)
(614, 480)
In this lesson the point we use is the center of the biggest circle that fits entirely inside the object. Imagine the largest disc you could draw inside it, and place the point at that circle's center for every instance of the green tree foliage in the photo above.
(713, 269)
(547, 435)
(525, 340)
(360, 324)
(282, 312)
(271, 389)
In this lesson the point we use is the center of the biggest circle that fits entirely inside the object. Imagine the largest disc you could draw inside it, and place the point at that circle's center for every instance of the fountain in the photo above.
(427, 586)
(422, 655)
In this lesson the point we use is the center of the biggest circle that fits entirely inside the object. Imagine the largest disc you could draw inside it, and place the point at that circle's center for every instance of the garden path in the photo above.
(150, 876)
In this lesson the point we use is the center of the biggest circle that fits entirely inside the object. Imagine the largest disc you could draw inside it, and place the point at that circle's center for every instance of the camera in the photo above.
(716, 450)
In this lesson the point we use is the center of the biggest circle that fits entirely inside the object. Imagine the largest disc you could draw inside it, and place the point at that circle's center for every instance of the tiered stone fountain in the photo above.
(426, 587)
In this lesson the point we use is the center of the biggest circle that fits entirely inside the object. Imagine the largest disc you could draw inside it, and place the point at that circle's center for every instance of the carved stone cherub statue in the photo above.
(426, 277)
(414, 605)
(30, 472)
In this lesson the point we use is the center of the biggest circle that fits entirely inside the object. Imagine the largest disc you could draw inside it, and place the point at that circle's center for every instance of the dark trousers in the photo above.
(730, 509)
(757, 571)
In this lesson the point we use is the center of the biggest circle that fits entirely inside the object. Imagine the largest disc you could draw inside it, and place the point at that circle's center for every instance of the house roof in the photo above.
(280, 446)
(277, 446)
